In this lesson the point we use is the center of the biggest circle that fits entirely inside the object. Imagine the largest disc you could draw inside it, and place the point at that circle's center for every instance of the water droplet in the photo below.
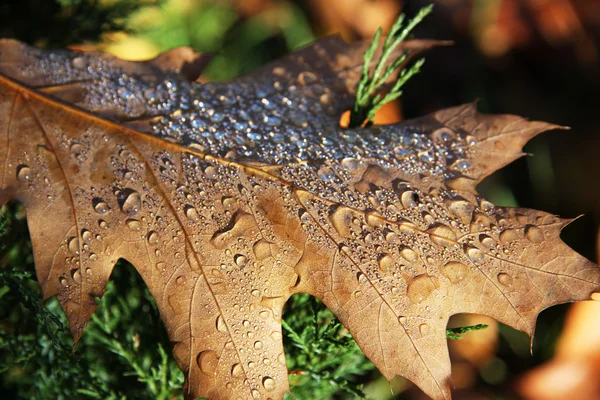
(180, 280)
(461, 208)
(102, 224)
(76, 149)
(191, 213)
(258, 345)
(153, 238)
(241, 260)
(455, 271)
(76, 274)
(408, 254)
(133, 224)
(487, 241)
(236, 370)
(73, 245)
(24, 173)
(261, 250)
(361, 278)
(509, 235)
(386, 262)
(100, 206)
(207, 361)
(255, 393)
(268, 383)
(409, 199)
(86, 235)
(341, 219)
(487, 207)
(424, 329)
(534, 234)
(475, 254)
(442, 235)
(93, 257)
(505, 279)
(420, 288)
(63, 281)
(306, 78)
(131, 203)
(402, 319)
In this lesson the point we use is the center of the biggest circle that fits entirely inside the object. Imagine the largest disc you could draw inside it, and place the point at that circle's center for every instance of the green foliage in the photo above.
(322, 357)
(120, 355)
(370, 93)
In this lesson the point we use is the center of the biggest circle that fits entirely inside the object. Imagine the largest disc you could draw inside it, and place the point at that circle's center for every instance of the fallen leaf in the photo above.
(230, 197)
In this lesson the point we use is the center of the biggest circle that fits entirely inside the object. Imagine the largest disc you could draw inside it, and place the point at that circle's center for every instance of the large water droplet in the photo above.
(153, 238)
(386, 262)
(133, 224)
(455, 271)
(191, 213)
(24, 173)
(420, 288)
(131, 203)
(409, 199)
(268, 383)
(505, 279)
(207, 361)
(237, 370)
(86, 235)
(534, 234)
(100, 206)
(241, 260)
(475, 254)
(409, 254)
(73, 245)
(221, 326)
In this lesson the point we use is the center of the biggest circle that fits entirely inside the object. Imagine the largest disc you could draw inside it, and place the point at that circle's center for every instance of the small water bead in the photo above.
(102, 224)
(505, 279)
(268, 383)
(24, 173)
(180, 280)
(132, 203)
(258, 345)
(64, 281)
(255, 394)
(534, 234)
(93, 257)
(424, 329)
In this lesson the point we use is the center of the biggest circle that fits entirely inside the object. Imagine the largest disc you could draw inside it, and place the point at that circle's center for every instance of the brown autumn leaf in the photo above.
(230, 197)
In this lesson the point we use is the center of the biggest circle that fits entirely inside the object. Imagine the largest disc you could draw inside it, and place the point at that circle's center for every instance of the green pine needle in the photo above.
(456, 333)
(370, 91)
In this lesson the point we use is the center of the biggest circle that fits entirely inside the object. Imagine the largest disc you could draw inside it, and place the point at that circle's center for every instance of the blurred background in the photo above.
(535, 58)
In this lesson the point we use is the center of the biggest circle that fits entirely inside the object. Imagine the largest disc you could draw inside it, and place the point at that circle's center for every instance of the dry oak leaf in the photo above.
(230, 197)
